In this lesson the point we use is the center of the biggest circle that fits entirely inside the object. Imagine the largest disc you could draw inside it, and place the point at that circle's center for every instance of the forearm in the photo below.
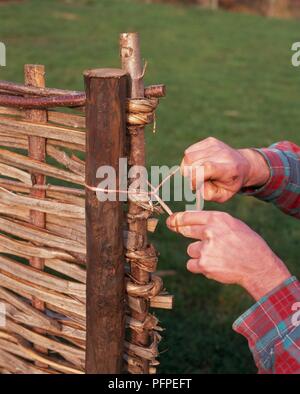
(275, 176)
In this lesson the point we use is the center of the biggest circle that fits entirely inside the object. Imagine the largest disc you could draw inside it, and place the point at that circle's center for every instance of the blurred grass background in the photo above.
(229, 76)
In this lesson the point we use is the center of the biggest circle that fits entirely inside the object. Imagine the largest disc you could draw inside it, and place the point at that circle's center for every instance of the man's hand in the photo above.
(228, 251)
(226, 170)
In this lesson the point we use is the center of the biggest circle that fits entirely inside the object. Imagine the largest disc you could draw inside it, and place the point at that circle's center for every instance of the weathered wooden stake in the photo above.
(105, 142)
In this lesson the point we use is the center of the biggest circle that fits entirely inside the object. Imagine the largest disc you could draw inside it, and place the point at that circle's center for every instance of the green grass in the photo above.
(229, 76)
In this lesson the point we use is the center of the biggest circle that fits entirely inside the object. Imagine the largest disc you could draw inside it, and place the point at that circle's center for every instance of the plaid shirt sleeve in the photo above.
(283, 187)
(272, 328)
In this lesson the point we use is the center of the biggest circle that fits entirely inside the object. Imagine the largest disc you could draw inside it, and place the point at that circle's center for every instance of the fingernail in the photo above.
(170, 220)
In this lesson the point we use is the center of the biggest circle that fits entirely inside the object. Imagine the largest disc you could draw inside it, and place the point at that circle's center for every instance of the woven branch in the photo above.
(34, 315)
(20, 142)
(64, 119)
(26, 163)
(40, 236)
(17, 346)
(14, 364)
(13, 172)
(24, 249)
(63, 303)
(62, 158)
(38, 278)
(58, 208)
(42, 130)
(21, 312)
(72, 354)
(71, 270)
(60, 193)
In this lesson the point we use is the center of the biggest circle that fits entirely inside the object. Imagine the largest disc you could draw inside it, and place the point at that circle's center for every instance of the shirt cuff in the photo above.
(269, 320)
(279, 175)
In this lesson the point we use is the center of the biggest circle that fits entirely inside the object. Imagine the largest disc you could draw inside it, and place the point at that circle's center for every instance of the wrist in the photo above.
(258, 171)
(264, 282)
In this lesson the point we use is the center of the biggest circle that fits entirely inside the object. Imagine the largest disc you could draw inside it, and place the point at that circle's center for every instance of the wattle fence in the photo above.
(77, 275)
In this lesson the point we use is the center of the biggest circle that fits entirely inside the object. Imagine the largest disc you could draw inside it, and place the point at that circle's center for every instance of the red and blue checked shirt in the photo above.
(272, 325)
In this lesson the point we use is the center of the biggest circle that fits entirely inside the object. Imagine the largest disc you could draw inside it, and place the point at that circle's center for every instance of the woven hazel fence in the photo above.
(76, 275)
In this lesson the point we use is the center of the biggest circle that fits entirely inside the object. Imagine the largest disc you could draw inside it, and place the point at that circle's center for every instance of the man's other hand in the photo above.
(228, 251)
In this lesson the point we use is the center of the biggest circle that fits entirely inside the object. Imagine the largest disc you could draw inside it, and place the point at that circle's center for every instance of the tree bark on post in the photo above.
(212, 4)
(278, 8)
(132, 64)
(105, 142)
(34, 75)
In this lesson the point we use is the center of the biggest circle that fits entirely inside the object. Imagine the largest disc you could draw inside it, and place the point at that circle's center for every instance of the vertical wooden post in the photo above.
(271, 7)
(132, 64)
(278, 8)
(105, 143)
(212, 4)
(35, 76)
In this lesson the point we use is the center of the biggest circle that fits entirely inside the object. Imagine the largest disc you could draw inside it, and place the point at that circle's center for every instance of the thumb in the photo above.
(210, 191)
(184, 168)
(213, 192)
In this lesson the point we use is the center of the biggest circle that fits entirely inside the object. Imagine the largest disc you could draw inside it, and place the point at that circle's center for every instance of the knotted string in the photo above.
(149, 194)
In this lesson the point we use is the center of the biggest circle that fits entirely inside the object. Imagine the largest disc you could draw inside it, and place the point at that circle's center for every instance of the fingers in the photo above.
(197, 155)
(210, 178)
(204, 144)
(190, 224)
(195, 232)
(194, 249)
(202, 162)
(200, 171)
(182, 168)
(213, 192)
(210, 191)
(198, 224)
(202, 151)
(213, 170)
(189, 218)
(194, 266)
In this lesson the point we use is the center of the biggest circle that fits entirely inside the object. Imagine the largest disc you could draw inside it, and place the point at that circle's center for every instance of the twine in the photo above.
(145, 204)
(141, 112)
(136, 196)
(149, 290)
(146, 259)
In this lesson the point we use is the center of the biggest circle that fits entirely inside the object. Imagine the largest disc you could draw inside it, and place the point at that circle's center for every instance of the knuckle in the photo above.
(223, 216)
(194, 249)
(207, 165)
(211, 139)
(182, 217)
(202, 267)
(226, 215)
(208, 233)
